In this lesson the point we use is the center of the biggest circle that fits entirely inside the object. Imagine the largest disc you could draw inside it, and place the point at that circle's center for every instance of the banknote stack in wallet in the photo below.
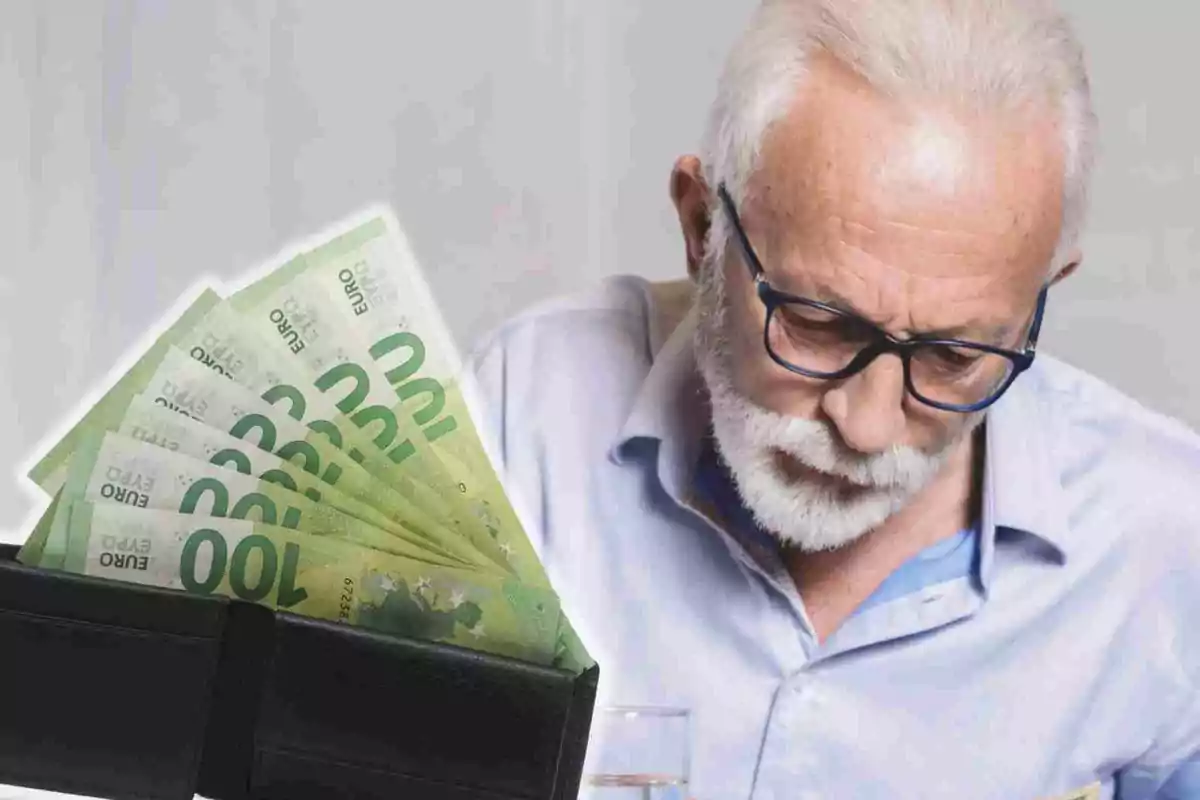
(306, 442)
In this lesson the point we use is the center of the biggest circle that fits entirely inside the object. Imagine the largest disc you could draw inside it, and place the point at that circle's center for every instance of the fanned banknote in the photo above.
(311, 575)
(185, 385)
(231, 345)
(304, 443)
(357, 312)
(353, 492)
(117, 469)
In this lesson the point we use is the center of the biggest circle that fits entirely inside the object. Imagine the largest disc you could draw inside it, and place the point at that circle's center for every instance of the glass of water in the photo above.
(639, 753)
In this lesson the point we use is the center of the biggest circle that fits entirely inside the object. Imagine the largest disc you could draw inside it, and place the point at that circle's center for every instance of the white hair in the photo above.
(982, 54)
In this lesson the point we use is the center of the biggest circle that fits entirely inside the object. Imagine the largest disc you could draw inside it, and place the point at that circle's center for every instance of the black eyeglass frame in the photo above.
(884, 342)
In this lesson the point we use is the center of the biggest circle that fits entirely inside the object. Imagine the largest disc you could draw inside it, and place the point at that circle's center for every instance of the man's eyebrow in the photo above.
(995, 334)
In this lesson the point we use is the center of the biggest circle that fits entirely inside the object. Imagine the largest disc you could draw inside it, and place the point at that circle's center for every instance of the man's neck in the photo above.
(835, 583)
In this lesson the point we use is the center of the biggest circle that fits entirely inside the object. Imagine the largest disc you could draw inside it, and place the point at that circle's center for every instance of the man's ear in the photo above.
(690, 194)
(1069, 268)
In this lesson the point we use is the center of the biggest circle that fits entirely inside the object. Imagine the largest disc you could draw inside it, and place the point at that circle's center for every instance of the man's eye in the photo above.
(956, 357)
(803, 318)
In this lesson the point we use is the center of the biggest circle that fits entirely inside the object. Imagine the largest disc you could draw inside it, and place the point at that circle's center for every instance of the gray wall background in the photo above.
(525, 146)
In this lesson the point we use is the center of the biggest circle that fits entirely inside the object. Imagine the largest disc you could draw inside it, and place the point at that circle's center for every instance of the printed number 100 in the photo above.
(239, 580)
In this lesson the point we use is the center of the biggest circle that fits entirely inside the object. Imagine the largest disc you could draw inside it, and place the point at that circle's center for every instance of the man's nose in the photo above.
(868, 408)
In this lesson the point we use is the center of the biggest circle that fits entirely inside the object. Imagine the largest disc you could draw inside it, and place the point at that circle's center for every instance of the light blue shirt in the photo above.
(1065, 654)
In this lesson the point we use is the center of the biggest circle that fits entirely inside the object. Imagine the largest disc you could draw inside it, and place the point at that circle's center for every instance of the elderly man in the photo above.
(826, 494)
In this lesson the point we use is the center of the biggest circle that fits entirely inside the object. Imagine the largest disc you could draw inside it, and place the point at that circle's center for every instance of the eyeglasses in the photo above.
(817, 340)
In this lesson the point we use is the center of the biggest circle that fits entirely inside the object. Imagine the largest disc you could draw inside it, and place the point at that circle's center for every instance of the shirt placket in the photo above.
(789, 759)
(799, 729)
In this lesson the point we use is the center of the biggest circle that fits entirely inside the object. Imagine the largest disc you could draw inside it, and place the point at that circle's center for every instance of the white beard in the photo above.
(809, 516)
(749, 438)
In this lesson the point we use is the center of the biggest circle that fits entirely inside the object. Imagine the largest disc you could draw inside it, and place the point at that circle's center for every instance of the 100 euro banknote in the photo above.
(313, 576)
(357, 312)
(149, 422)
(257, 358)
(110, 468)
(205, 333)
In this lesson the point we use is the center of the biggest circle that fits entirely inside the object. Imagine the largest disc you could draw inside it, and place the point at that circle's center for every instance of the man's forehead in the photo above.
(841, 141)
(917, 198)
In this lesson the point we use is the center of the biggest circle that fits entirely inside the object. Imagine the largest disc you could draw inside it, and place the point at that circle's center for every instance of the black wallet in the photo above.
(120, 691)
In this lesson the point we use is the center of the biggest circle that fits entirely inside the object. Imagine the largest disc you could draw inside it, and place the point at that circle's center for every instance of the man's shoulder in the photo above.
(618, 306)
(1092, 420)
(575, 357)
(1123, 463)
(617, 322)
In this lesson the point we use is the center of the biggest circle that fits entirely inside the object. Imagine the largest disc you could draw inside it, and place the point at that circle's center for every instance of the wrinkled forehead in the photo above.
(961, 192)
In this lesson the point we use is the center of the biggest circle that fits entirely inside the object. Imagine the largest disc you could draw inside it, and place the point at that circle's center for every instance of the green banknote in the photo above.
(359, 314)
(185, 384)
(222, 341)
(149, 422)
(206, 335)
(116, 469)
(314, 576)
(50, 471)
(226, 343)
(209, 334)
(279, 422)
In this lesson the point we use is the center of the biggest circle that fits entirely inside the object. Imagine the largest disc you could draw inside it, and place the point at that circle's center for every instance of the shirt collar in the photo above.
(671, 406)
(1021, 491)
(1022, 487)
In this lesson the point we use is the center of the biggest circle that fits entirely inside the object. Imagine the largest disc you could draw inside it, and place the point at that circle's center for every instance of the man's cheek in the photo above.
(934, 432)
(756, 376)
(752, 371)
(774, 388)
